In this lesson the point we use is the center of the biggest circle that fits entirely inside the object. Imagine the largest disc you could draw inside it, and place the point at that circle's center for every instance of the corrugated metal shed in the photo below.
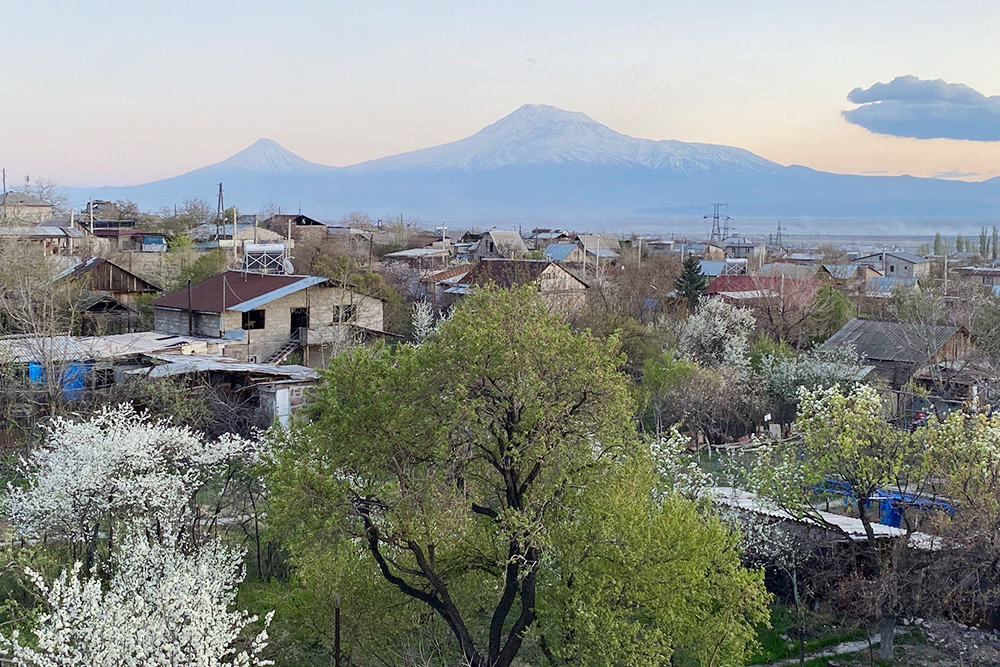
(892, 341)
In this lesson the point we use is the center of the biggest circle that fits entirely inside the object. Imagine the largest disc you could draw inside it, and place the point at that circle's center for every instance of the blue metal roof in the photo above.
(841, 271)
(712, 268)
(558, 252)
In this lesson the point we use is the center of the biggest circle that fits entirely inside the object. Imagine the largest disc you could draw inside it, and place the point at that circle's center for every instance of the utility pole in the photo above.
(218, 213)
(90, 207)
(235, 258)
(5, 181)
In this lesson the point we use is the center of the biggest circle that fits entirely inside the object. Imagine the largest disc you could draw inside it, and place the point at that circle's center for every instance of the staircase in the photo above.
(293, 343)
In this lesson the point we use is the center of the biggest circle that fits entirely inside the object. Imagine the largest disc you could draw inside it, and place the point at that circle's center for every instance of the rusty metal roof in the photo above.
(234, 290)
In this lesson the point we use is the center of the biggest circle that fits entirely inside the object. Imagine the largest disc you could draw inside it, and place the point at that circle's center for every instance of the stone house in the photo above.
(268, 316)
(897, 264)
(560, 289)
(24, 207)
(500, 244)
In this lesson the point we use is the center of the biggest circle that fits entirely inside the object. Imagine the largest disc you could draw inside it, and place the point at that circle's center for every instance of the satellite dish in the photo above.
(287, 266)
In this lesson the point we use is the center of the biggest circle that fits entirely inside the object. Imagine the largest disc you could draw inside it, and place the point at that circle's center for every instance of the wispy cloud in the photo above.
(955, 173)
(926, 109)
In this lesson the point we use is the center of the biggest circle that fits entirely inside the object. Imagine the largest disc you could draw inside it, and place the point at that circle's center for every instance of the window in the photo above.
(345, 313)
(253, 319)
(892, 268)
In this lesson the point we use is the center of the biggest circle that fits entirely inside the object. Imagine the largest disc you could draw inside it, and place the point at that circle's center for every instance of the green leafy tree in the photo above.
(691, 283)
(492, 477)
(959, 243)
(983, 243)
(831, 311)
(847, 437)
(938, 244)
(996, 240)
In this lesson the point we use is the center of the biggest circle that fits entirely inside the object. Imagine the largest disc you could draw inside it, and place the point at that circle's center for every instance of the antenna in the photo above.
(720, 223)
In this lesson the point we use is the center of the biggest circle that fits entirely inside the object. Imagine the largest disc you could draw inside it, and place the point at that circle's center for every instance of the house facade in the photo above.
(500, 244)
(898, 264)
(268, 317)
(25, 208)
(559, 289)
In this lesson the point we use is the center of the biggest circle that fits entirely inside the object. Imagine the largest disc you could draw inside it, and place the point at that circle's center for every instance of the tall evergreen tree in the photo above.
(938, 244)
(993, 251)
(692, 282)
(984, 242)
(959, 243)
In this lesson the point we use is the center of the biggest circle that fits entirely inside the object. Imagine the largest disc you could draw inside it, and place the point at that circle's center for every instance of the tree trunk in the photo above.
(886, 631)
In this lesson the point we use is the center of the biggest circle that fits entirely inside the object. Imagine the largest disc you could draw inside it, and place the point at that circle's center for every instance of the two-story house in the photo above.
(271, 316)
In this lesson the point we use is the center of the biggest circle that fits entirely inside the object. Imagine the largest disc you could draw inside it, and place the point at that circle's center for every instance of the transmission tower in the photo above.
(720, 223)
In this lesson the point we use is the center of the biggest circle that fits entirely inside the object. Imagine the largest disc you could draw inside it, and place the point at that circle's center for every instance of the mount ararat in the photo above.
(544, 164)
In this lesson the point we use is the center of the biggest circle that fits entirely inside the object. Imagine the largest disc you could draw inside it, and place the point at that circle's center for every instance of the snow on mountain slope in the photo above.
(539, 134)
(266, 155)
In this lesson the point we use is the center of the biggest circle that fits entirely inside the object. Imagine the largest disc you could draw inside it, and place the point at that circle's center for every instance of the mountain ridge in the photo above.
(542, 163)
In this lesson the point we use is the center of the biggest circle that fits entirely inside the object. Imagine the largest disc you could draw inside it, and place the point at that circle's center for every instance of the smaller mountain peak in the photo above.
(268, 155)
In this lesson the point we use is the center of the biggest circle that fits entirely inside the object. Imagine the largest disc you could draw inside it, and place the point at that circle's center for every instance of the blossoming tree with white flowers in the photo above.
(163, 607)
(118, 466)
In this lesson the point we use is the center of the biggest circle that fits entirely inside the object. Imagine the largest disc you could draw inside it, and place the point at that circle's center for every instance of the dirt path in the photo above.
(853, 646)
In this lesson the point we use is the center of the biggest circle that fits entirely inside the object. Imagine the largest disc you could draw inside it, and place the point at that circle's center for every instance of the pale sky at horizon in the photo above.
(128, 92)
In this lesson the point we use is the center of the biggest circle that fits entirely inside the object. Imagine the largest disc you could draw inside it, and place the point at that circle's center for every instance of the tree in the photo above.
(846, 437)
(717, 334)
(938, 244)
(163, 607)
(983, 243)
(959, 243)
(830, 311)
(691, 283)
(994, 249)
(483, 474)
(116, 467)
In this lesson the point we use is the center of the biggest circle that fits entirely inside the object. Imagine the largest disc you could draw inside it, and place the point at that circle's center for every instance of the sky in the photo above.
(117, 93)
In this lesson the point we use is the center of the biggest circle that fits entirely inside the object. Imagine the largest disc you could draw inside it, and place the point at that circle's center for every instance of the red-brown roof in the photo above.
(225, 290)
(450, 272)
(506, 273)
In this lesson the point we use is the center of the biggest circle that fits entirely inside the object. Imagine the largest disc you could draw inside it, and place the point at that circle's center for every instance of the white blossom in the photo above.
(162, 608)
(679, 473)
(718, 334)
(784, 375)
(423, 321)
(116, 465)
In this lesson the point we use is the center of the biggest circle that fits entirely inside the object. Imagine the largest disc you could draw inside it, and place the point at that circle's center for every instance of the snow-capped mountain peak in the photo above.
(539, 134)
(267, 155)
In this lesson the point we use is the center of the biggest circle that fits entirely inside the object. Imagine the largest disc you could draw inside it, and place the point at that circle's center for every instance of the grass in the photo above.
(773, 647)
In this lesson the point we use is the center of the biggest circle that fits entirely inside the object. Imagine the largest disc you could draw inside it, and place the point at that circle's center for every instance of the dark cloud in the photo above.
(925, 109)
(955, 173)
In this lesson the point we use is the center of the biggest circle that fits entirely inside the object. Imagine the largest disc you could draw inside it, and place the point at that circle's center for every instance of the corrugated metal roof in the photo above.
(183, 364)
(841, 271)
(41, 232)
(883, 286)
(712, 268)
(22, 349)
(892, 341)
(419, 252)
(558, 252)
(854, 528)
(230, 290)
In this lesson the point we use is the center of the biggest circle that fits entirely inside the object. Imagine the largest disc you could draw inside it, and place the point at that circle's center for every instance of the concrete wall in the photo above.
(325, 306)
